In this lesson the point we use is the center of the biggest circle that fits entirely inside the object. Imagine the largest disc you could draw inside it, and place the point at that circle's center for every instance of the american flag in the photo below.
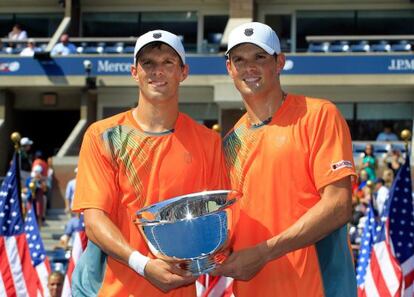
(386, 261)
(37, 250)
(214, 286)
(18, 277)
(79, 245)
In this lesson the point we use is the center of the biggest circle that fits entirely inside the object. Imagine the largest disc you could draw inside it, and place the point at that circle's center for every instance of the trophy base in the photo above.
(200, 265)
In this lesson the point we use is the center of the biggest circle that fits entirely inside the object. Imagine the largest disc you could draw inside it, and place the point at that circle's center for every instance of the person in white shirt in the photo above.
(381, 195)
(17, 33)
(30, 49)
(64, 47)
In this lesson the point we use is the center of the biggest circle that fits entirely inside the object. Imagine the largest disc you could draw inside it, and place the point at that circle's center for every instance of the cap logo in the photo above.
(248, 32)
(156, 35)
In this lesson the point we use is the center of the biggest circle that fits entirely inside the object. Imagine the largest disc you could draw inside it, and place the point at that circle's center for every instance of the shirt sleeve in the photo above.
(96, 185)
(331, 155)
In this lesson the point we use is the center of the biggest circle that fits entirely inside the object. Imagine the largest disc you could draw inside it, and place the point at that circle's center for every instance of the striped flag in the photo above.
(386, 260)
(79, 245)
(18, 277)
(214, 286)
(37, 250)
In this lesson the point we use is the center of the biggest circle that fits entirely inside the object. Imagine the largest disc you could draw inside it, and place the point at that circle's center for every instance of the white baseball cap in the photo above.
(160, 36)
(256, 33)
(26, 141)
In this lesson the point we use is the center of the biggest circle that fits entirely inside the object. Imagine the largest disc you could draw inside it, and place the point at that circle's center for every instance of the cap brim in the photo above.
(267, 49)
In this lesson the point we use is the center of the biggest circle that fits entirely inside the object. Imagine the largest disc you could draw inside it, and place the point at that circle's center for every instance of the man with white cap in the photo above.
(291, 157)
(26, 158)
(134, 159)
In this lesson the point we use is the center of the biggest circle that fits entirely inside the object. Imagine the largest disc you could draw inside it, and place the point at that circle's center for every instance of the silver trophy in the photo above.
(192, 230)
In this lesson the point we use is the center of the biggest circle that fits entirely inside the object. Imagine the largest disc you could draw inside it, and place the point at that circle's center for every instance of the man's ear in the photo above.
(228, 66)
(280, 62)
(134, 72)
(184, 73)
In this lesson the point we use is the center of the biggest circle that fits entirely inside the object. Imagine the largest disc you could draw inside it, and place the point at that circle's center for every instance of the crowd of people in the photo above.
(17, 36)
(375, 177)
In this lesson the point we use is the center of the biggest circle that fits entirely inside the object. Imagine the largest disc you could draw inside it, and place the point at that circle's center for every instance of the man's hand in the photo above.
(167, 276)
(243, 264)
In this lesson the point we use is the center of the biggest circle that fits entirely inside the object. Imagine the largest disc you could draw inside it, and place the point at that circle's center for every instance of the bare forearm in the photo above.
(330, 213)
(103, 232)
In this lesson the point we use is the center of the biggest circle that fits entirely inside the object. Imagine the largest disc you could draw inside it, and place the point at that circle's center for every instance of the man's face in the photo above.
(159, 72)
(55, 286)
(253, 70)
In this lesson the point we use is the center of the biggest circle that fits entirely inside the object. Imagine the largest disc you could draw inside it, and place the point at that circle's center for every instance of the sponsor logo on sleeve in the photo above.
(341, 164)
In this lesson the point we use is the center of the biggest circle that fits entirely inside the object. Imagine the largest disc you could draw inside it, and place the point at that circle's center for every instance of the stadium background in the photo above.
(352, 52)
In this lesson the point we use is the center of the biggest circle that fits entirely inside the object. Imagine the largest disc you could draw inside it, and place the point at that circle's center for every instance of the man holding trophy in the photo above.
(291, 157)
(135, 159)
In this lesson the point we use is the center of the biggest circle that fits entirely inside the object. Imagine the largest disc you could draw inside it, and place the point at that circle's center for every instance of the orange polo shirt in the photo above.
(123, 169)
(280, 169)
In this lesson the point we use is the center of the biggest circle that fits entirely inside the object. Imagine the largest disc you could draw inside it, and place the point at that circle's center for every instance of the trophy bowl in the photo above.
(192, 229)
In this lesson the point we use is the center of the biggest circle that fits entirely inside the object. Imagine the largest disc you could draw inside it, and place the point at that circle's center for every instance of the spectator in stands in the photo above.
(17, 33)
(38, 197)
(26, 158)
(64, 47)
(381, 195)
(70, 193)
(30, 49)
(388, 177)
(369, 162)
(39, 159)
(55, 284)
(74, 224)
(394, 161)
(387, 134)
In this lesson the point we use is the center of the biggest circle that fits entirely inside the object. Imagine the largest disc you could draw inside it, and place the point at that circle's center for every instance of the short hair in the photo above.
(57, 274)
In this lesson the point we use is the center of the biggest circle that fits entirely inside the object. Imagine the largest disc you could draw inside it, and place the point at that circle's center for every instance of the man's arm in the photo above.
(331, 212)
(103, 232)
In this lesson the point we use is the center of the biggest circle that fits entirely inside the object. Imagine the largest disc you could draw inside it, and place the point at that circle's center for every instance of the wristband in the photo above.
(137, 262)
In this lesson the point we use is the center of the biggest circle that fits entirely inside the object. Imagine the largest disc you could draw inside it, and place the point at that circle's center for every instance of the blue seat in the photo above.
(321, 47)
(358, 147)
(129, 49)
(92, 50)
(339, 47)
(17, 50)
(401, 46)
(380, 148)
(382, 46)
(113, 49)
(360, 47)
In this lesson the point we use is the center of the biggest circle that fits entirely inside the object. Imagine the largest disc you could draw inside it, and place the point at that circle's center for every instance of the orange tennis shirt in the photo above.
(123, 169)
(280, 168)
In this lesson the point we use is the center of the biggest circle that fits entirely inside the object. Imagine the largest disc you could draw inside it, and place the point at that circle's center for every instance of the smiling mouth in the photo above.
(251, 80)
(158, 83)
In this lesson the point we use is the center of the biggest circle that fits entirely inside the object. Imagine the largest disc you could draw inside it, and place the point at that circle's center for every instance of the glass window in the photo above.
(281, 24)
(6, 24)
(323, 23)
(125, 24)
(183, 24)
(397, 22)
(346, 109)
(35, 24)
(110, 24)
(214, 26)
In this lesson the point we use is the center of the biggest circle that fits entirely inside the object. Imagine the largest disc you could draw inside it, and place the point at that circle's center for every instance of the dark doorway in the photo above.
(47, 128)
